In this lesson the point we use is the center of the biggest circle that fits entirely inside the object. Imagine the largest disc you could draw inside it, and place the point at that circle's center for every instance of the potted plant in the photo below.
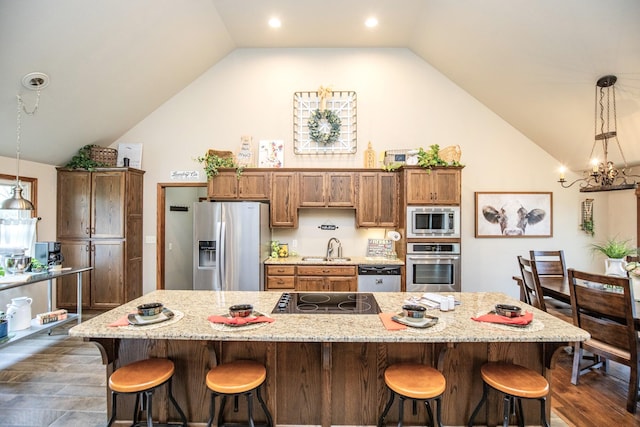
(212, 162)
(615, 251)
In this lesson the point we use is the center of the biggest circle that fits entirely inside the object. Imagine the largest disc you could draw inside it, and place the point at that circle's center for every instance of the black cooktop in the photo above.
(326, 303)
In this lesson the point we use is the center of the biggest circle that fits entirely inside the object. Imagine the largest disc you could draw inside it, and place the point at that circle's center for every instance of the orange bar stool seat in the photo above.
(515, 382)
(142, 378)
(416, 382)
(235, 379)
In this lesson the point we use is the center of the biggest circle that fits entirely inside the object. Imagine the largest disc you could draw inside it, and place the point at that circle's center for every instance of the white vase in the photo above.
(615, 267)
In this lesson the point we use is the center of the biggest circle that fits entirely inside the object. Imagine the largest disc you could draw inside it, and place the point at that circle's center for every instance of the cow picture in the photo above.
(513, 215)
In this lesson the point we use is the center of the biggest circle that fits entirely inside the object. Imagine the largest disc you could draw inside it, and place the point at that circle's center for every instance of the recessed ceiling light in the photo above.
(371, 22)
(275, 23)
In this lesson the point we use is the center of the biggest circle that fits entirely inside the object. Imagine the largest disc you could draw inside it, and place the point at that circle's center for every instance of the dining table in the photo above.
(557, 287)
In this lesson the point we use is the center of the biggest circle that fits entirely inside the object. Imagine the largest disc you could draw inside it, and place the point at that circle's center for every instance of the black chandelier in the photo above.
(604, 175)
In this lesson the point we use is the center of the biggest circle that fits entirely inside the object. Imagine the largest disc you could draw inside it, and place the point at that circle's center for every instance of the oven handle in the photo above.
(433, 257)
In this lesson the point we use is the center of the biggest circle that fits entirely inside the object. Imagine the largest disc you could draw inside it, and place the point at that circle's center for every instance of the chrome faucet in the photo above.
(330, 247)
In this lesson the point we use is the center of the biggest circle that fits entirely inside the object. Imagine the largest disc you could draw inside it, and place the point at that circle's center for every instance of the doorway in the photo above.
(175, 233)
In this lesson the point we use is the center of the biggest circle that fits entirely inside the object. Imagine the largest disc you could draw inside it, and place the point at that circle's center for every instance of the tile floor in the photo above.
(52, 380)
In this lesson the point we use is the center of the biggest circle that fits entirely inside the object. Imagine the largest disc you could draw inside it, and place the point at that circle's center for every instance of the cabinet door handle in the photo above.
(87, 248)
(86, 231)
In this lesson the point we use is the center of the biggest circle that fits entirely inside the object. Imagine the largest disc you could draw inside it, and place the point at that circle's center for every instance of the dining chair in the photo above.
(535, 296)
(607, 314)
(549, 263)
(532, 290)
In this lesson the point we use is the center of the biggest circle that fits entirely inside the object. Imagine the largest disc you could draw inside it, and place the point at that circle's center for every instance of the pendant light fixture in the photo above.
(604, 175)
(37, 82)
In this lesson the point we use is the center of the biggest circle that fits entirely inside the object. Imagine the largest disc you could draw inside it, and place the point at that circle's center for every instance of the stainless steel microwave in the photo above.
(433, 221)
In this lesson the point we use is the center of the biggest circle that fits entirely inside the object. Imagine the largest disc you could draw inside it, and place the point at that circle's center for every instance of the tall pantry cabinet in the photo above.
(99, 224)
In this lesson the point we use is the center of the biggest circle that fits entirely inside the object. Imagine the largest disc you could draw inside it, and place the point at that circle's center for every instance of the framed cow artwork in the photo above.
(514, 214)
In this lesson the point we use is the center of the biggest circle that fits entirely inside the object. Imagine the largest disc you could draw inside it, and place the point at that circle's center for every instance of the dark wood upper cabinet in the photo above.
(327, 189)
(433, 187)
(250, 185)
(378, 199)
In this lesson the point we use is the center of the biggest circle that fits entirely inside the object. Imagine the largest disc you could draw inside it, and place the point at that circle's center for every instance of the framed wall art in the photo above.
(324, 122)
(502, 214)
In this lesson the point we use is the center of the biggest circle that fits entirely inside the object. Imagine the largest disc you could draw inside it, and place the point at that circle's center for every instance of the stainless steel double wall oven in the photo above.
(433, 263)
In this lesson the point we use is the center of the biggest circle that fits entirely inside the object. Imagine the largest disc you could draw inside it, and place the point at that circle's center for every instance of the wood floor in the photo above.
(60, 381)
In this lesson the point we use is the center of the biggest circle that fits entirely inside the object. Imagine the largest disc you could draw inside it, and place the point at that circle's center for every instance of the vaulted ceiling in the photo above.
(112, 62)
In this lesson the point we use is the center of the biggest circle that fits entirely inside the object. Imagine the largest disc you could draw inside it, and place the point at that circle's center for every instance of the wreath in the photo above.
(324, 126)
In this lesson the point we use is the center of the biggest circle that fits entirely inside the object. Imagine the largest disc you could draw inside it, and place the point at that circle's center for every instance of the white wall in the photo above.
(403, 102)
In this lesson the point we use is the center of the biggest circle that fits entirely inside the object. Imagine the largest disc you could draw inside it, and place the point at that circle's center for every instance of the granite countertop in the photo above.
(354, 260)
(453, 326)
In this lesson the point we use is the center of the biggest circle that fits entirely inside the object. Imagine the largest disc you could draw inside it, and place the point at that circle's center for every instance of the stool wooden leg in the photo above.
(485, 390)
(264, 408)
(386, 409)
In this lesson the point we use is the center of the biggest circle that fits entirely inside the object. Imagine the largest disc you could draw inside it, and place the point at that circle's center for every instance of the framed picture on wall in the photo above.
(501, 214)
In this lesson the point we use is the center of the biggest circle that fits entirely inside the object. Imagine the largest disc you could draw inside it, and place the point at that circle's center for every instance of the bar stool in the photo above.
(415, 382)
(235, 379)
(515, 382)
(142, 378)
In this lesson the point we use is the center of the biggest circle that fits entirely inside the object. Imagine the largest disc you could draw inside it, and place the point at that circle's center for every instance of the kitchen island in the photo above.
(327, 369)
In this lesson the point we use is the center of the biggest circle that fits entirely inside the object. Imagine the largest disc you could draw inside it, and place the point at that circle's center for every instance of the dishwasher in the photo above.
(379, 278)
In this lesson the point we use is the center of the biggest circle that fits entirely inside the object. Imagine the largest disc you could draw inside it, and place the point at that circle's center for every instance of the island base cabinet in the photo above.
(340, 383)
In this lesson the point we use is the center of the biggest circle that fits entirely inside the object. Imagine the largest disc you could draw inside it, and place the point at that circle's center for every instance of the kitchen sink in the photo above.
(325, 259)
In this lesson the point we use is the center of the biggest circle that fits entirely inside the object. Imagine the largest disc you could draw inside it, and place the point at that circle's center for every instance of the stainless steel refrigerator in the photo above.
(231, 243)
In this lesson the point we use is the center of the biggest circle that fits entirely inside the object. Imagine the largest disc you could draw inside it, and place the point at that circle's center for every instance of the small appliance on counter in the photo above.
(49, 253)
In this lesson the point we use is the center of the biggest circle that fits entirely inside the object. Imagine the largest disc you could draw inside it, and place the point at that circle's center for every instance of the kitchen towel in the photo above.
(523, 320)
(239, 320)
(122, 321)
(389, 323)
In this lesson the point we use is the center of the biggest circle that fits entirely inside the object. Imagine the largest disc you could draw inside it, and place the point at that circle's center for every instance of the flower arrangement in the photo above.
(324, 126)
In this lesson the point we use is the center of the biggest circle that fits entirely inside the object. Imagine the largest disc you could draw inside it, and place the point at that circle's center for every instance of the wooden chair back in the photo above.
(531, 285)
(608, 316)
(549, 263)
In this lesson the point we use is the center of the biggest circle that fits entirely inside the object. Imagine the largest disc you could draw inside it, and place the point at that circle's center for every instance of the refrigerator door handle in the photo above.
(222, 253)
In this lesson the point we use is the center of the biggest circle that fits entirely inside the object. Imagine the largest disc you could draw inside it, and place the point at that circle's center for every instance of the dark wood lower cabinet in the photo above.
(323, 383)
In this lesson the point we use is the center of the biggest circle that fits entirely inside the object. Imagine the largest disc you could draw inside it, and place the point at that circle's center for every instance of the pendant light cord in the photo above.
(21, 108)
